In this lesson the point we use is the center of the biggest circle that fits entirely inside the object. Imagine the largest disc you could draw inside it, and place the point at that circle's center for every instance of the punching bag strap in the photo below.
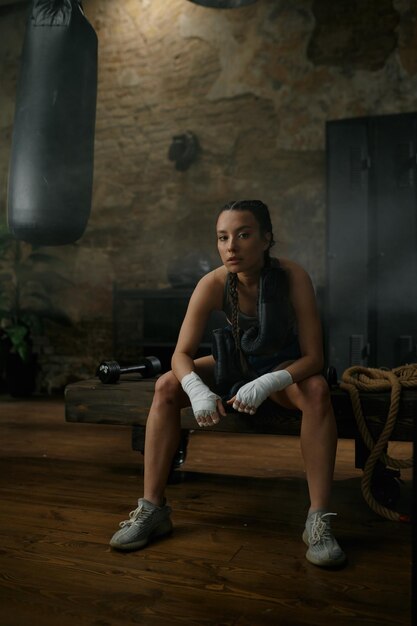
(57, 13)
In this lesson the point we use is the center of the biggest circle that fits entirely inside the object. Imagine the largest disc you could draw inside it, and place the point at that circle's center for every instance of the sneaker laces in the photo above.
(320, 528)
(133, 516)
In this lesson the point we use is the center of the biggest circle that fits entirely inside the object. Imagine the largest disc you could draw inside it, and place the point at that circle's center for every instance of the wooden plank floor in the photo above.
(235, 559)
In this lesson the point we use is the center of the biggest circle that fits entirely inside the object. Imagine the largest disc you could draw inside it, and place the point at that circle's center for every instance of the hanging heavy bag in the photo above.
(51, 165)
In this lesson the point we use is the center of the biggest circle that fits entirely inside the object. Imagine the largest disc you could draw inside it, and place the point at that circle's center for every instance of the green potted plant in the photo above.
(26, 277)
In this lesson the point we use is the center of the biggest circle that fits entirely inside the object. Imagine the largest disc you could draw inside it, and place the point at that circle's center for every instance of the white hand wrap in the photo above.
(203, 401)
(257, 391)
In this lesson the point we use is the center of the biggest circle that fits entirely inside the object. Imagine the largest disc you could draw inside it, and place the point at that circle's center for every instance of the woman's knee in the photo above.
(315, 392)
(168, 388)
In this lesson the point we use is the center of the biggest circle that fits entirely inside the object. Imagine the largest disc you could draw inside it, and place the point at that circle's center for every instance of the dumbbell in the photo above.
(109, 371)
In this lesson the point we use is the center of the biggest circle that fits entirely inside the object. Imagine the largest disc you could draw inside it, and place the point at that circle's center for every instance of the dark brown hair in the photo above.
(261, 213)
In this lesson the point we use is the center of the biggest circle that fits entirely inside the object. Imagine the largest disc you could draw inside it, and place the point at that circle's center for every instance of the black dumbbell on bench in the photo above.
(109, 371)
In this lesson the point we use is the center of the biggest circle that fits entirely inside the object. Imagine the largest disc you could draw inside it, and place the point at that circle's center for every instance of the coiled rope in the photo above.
(358, 378)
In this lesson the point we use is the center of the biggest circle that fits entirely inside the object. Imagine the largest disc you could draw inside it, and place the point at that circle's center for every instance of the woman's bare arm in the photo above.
(308, 324)
(207, 297)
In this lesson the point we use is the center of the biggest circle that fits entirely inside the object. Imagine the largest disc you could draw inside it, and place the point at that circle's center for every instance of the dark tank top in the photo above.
(246, 321)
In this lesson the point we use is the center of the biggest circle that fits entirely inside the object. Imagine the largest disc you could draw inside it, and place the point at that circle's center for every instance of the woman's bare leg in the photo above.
(318, 435)
(163, 428)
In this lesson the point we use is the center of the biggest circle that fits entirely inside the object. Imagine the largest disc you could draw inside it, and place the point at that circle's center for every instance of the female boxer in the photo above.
(285, 367)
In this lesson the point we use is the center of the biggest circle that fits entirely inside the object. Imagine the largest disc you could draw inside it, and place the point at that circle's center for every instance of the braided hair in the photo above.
(261, 213)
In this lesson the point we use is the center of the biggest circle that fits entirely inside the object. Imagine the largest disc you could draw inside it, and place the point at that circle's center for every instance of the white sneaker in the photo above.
(145, 523)
(323, 549)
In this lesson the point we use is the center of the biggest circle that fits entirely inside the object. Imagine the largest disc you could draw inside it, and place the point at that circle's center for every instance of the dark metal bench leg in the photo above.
(138, 438)
(138, 444)
(176, 476)
(361, 452)
(385, 485)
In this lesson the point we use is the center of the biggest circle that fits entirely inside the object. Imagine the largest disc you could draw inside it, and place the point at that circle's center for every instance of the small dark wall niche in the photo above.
(183, 150)
(353, 34)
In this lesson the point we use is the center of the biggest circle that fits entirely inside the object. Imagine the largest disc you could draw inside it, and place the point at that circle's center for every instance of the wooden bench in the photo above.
(127, 402)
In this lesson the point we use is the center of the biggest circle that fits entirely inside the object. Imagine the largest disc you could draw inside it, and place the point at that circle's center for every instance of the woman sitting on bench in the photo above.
(272, 348)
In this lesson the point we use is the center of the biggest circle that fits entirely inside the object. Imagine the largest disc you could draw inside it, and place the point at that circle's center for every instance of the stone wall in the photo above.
(256, 85)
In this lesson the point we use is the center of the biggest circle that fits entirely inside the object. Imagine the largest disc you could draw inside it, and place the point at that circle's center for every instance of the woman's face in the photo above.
(240, 243)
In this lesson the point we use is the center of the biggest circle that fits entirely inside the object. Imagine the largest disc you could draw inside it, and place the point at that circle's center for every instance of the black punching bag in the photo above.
(51, 166)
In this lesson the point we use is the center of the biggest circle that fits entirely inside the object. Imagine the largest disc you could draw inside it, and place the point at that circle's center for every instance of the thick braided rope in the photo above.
(235, 308)
(358, 378)
(235, 317)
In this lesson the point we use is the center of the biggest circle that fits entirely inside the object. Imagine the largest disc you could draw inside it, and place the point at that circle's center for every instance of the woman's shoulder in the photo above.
(211, 286)
(301, 286)
(216, 277)
(294, 269)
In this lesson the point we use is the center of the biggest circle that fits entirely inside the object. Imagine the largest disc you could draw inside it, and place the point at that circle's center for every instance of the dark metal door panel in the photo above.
(347, 243)
(393, 241)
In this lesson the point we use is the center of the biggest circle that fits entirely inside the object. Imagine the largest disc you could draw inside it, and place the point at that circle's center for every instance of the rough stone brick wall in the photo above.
(256, 85)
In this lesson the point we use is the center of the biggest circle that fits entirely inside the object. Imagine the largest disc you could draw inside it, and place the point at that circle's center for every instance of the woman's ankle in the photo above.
(155, 500)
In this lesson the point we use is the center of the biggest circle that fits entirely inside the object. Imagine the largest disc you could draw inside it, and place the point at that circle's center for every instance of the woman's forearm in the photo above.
(181, 364)
(305, 367)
